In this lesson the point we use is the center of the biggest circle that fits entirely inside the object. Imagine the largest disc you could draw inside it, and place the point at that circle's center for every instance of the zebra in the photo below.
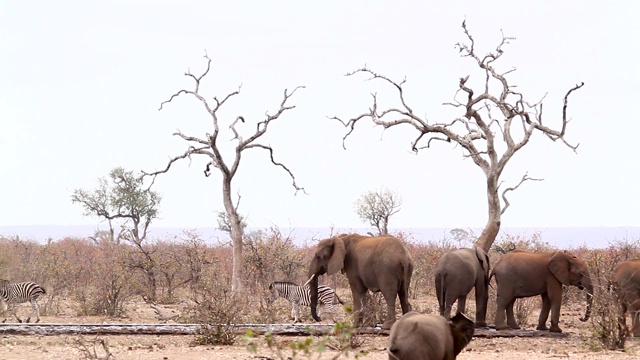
(301, 295)
(12, 294)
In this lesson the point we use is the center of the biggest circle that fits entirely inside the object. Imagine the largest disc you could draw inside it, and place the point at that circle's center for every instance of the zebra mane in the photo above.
(285, 282)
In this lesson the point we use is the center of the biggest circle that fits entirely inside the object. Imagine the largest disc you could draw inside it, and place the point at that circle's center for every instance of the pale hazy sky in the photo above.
(81, 82)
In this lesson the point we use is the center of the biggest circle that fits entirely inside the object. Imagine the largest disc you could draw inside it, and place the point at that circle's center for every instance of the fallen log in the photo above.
(258, 329)
(493, 333)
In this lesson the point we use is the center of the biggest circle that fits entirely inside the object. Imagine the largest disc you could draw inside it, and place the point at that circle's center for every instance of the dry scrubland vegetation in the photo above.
(100, 278)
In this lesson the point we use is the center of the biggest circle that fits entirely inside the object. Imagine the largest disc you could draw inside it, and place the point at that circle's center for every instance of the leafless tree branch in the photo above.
(209, 145)
(525, 177)
(190, 150)
(274, 162)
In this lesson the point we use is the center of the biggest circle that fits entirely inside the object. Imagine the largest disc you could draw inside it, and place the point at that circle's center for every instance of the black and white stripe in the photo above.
(301, 295)
(12, 294)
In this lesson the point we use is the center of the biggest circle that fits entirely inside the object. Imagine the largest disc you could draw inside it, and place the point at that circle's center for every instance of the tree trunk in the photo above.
(492, 228)
(153, 285)
(236, 236)
(385, 225)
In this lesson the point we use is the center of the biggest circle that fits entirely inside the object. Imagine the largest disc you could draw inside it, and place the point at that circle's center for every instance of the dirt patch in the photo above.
(576, 346)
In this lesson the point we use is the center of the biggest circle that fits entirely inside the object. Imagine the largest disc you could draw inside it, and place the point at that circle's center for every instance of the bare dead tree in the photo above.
(475, 131)
(208, 146)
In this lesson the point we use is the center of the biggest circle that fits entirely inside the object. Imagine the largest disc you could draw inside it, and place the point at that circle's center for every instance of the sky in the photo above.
(81, 83)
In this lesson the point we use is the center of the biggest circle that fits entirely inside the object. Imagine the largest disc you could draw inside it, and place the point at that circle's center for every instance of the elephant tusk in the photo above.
(308, 281)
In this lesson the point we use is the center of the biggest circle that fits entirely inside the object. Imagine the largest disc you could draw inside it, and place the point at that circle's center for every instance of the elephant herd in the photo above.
(384, 264)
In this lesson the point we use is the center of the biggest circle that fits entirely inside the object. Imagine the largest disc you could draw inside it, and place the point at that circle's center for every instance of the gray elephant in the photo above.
(418, 336)
(456, 273)
(380, 264)
(626, 284)
(522, 274)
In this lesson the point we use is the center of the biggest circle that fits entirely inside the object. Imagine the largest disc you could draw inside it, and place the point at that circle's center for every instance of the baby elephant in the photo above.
(418, 336)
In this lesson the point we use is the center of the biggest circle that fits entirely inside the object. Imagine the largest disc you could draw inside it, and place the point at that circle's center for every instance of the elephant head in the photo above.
(461, 331)
(429, 336)
(570, 270)
(328, 259)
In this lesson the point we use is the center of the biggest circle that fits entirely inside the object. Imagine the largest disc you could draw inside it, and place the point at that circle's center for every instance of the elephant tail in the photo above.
(441, 290)
(338, 298)
(491, 274)
(407, 272)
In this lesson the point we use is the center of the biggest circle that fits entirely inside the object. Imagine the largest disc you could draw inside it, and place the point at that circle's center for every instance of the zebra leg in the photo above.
(15, 313)
(331, 308)
(37, 311)
(35, 308)
(295, 311)
(3, 309)
(321, 310)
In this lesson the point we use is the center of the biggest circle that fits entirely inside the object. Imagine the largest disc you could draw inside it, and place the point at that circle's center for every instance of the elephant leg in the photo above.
(449, 299)
(622, 318)
(635, 323)
(556, 300)
(359, 292)
(446, 310)
(481, 306)
(544, 312)
(462, 305)
(501, 306)
(367, 315)
(511, 319)
(390, 299)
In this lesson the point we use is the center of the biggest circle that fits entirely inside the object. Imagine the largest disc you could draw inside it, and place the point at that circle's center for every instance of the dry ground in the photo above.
(576, 346)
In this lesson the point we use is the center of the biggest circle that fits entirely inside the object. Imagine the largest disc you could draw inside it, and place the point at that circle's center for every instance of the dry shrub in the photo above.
(181, 265)
(110, 284)
(217, 308)
(271, 256)
(607, 331)
(524, 307)
(425, 257)
(510, 242)
(94, 349)
(376, 309)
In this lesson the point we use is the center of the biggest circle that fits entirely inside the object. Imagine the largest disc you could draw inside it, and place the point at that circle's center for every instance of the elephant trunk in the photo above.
(587, 313)
(313, 286)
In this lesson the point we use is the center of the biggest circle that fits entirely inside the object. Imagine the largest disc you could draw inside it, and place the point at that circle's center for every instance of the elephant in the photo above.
(626, 285)
(522, 274)
(418, 336)
(456, 273)
(376, 263)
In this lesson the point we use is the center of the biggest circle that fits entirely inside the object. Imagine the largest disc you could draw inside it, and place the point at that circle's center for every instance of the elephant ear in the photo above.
(559, 267)
(461, 331)
(484, 260)
(336, 262)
